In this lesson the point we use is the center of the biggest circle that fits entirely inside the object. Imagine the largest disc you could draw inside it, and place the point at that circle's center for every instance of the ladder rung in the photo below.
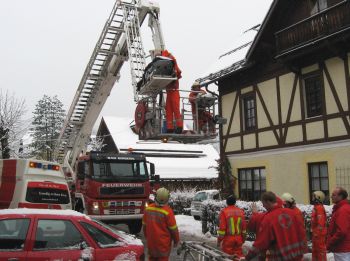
(116, 29)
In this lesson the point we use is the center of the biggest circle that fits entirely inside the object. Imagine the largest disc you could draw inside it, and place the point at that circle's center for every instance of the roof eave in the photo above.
(262, 28)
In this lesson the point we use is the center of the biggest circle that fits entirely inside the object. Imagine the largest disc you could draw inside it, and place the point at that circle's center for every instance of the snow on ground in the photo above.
(189, 226)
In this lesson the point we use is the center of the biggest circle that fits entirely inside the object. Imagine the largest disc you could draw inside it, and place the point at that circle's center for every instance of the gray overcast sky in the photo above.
(46, 44)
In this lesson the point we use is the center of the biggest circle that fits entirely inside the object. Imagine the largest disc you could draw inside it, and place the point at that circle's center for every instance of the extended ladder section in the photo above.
(135, 46)
(200, 251)
(102, 71)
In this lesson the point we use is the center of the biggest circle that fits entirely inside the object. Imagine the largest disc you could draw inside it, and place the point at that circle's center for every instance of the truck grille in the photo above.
(122, 211)
(122, 191)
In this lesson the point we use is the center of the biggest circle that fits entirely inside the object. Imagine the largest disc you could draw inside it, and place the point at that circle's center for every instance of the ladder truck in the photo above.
(116, 187)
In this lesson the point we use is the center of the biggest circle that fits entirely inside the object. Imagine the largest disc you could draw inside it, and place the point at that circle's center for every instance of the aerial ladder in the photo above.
(120, 41)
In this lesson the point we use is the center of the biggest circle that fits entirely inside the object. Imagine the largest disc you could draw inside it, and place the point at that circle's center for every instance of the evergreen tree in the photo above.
(47, 123)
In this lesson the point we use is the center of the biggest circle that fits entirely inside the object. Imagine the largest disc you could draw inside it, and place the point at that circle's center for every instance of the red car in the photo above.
(45, 234)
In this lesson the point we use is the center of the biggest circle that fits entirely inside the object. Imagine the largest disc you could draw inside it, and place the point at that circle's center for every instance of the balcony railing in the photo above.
(321, 25)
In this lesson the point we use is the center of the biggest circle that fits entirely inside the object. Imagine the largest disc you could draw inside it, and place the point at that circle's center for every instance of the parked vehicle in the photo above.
(199, 197)
(29, 183)
(37, 234)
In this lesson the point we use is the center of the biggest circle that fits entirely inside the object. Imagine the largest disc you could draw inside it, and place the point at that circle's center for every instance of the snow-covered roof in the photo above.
(231, 60)
(120, 130)
(172, 160)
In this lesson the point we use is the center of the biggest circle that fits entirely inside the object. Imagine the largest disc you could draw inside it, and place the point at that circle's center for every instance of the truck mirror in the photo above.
(152, 169)
(157, 178)
(81, 170)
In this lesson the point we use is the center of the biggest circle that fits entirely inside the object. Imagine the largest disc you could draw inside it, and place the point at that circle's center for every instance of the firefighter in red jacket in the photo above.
(232, 228)
(159, 227)
(338, 236)
(280, 232)
(289, 202)
(172, 104)
(318, 227)
(200, 114)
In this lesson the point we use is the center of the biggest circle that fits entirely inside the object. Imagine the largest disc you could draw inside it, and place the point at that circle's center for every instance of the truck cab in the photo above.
(114, 188)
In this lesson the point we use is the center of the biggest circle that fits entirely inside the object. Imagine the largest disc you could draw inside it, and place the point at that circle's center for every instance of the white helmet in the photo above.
(287, 197)
(319, 196)
(195, 84)
(162, 196)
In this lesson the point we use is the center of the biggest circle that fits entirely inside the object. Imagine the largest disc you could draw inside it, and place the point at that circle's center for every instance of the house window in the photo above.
(318, 179)
(252, 183)
(249, 112)
(313, 95)
(318, 6)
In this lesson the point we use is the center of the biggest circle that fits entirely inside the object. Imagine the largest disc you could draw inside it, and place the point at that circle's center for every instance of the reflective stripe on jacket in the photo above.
(319, 221)
(159, 226)
(231, 222)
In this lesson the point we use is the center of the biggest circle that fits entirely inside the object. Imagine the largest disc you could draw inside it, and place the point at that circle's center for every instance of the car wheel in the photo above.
(135, 226)
(197, 217)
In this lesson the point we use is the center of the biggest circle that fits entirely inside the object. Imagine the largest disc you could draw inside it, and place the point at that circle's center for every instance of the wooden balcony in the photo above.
(325, 24)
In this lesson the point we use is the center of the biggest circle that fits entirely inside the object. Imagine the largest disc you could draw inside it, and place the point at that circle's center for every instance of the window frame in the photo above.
(84, 239)
(245, 98)
(84, 225)
(319, 6)
(311, 178)
(310, 90)
(25, 241)
(262, 170)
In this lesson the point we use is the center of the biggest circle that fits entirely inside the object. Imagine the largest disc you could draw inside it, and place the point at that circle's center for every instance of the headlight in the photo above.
(146, 204)
(95, 208)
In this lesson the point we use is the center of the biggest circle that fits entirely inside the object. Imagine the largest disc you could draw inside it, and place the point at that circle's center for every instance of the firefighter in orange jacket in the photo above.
(172, 104)
(318, 227)
(280, 232)
(289, 202)
(232, 228)
(203, 117)
(159, 227)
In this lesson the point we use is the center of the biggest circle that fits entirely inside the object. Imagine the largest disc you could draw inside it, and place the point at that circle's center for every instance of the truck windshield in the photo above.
(120, 169)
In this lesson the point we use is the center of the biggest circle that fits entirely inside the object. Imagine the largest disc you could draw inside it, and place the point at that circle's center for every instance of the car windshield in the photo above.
(125, 169)
(201, 196)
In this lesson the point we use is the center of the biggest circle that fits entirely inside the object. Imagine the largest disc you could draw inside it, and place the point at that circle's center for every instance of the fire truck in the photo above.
(114, 187)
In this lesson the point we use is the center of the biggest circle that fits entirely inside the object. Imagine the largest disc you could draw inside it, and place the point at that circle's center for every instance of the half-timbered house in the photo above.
(286, 95)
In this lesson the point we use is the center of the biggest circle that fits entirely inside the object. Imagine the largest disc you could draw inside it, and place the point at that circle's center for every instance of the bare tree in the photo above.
(12, 110)
(96, 143)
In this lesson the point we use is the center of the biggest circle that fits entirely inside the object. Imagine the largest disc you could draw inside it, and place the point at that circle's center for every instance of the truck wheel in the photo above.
(135, 226)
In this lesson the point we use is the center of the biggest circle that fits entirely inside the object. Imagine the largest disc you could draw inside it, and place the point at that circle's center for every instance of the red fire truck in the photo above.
(114, 188)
